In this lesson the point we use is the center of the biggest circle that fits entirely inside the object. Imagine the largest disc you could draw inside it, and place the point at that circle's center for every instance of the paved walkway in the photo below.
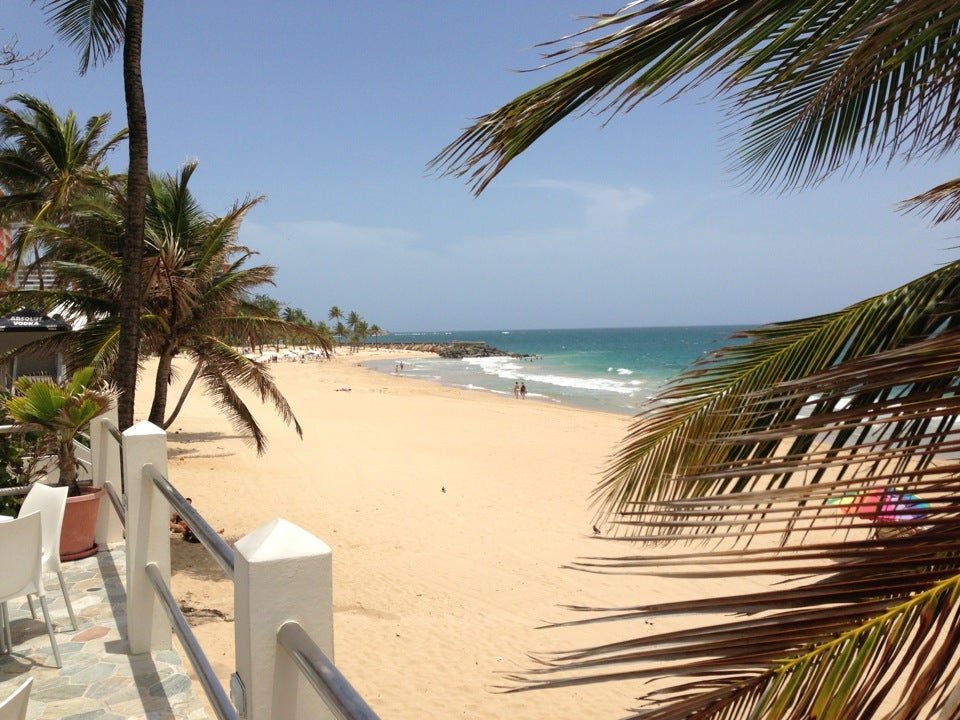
(99, 679)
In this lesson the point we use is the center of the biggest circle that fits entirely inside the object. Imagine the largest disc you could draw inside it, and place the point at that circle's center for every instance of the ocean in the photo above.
(607, 369)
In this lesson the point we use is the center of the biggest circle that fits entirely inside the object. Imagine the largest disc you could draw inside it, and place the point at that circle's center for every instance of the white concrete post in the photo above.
(281, 573)
(148, 537)
(105, 456)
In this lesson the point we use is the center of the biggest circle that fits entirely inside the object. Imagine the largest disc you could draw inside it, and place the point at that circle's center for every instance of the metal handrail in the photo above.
(113, 430)
(17, 490)
(116, 501)
(339, 695)
(17, 429)
(207, 536)
(337, 692)
(208, 678)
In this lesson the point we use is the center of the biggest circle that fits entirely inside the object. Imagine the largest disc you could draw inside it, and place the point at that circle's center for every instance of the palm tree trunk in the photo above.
(183, 396)
(68, 465)
(160, 385)
(137, 179)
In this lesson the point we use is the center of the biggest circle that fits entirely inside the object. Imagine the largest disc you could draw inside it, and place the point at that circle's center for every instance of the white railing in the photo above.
(283, 598)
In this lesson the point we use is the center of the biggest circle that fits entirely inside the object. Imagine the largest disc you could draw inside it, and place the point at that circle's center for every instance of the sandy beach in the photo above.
(449, 513)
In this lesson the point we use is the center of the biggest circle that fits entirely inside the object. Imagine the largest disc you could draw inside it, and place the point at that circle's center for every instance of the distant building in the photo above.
(26, 277)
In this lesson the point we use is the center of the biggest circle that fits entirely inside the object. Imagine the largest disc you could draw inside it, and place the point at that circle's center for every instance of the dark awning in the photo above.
(31, 321)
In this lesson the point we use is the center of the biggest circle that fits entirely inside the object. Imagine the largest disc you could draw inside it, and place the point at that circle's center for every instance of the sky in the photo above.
(332, 111)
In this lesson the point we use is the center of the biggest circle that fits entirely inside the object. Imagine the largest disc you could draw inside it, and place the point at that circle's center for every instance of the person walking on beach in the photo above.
(516, 389)
(523, 391)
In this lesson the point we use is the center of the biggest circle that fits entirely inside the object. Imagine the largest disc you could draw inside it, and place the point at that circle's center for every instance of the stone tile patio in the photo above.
(99, 679)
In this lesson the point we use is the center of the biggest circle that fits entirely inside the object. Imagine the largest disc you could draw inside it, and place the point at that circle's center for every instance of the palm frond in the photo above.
(834, 647)
(811, 86)
(941, 203)
(95, 28)
(704, 420)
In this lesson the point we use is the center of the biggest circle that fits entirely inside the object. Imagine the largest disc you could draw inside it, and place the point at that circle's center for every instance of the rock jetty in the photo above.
(452, 350)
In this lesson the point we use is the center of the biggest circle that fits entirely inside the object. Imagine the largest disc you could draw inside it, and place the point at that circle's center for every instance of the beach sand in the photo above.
(450, 514)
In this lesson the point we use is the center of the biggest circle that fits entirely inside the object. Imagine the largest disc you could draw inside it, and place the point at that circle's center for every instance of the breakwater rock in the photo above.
(452, 350)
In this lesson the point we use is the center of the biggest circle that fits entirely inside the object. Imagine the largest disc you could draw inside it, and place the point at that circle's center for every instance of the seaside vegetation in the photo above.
(771, 439)
(353, 327)
(197, 285)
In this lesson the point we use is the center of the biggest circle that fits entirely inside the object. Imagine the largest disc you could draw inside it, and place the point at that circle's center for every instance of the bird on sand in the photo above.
(596, 530)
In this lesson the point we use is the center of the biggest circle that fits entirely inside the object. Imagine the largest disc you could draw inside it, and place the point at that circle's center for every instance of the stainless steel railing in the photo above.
(217, 696)
(339, 695)
(215, 545)
(207, 536)
(342, 699)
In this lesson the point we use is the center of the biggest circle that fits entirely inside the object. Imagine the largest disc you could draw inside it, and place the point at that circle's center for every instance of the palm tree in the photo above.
(376, 332)
(46, 161)
(98, 28)
(62, 410)
(336, 315)
(340, 330)
(197, 287)
(768, 437)
(359, 334)
(353, 323)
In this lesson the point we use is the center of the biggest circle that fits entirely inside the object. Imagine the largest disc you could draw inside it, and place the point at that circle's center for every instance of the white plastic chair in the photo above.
(21, 571)
(15, 706)
(51, 503)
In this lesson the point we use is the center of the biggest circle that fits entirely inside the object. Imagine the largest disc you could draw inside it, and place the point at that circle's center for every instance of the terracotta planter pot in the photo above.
(80, 525)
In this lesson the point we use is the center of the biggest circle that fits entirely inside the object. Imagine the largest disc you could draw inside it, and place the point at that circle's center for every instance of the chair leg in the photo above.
(7, 635)
(4, 646)
(66, 599)
(53, 639)
(33, 610)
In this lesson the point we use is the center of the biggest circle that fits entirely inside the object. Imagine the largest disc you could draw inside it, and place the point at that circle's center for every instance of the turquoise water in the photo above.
(611, 369)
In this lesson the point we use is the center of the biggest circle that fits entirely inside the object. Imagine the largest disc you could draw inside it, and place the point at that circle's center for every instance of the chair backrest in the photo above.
(15, 706)
(51, 503)
(20, 571)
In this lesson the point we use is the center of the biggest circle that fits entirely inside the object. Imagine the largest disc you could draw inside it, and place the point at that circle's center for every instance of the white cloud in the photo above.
(605, 207)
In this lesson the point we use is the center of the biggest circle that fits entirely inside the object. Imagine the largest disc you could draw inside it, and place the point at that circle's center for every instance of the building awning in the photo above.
(32, 321)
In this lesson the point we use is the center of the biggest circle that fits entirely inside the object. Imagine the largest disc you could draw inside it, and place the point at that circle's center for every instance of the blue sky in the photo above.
(332, 111)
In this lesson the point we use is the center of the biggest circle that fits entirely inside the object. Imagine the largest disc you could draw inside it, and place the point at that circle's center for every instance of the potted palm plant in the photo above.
(61, 410)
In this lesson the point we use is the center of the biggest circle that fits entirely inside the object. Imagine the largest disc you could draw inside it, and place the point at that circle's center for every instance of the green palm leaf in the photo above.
(811, 87)
(95, 29)
(701, 421)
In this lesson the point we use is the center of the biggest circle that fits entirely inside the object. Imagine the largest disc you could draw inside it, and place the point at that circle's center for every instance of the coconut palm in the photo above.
(197, 288)
(46, 161)
(336, 316)
(774, 436)
(340, 330)
(353, 321)
(98, 28)
(376, 332)
(359, 334)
